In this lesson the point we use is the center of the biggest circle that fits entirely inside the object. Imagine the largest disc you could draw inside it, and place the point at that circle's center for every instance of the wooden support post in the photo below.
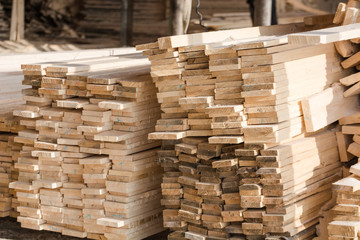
(17, 20)
(177, 23)
(187, 8)
(126, 22)
(263, 12)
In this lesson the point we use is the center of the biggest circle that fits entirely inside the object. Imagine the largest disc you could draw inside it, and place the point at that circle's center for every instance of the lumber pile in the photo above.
(9, 153)
(87, 168)
(272, 99)
(11, 99)
(241, 179)
(346, 222)
(348, 136)
(339, 103)
(11, 77)
(233, 110)
(291, 197)
(296, 179)
(7, 174)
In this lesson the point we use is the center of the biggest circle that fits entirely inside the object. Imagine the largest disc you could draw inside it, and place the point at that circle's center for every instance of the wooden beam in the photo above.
(262, 13)
(17, 20)
(326, 19)
(340, 13)
(327, 35)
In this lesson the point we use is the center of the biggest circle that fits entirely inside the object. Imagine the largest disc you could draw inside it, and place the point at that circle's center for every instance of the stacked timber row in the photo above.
(340, 102)
(272, 104)
(242, 191)
(239, 181)
(346, 222)
(11, 100)
(292, 193)
(27, 194)
(87, 168)
(9, 153)
(345, 214)
(228, 117)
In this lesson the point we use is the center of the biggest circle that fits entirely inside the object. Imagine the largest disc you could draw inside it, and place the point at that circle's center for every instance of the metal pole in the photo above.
(263, 12)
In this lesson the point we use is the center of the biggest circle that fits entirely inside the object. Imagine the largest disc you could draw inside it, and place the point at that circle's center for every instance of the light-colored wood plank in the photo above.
(327, 107)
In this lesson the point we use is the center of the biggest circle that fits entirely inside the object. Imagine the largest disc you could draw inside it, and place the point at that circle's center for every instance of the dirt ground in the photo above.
(11, 230)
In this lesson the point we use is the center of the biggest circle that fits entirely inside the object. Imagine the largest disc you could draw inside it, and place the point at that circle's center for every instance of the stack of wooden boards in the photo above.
(346, 221)
(11, 78)
(9, 153)
(340, 102)
(9, 150)
(235, 106)
(256, 173)
(86, 168)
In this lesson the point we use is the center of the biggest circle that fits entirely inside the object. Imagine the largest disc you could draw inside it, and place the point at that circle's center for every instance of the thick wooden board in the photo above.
(327, 35)
(327, 107)
(211, 37)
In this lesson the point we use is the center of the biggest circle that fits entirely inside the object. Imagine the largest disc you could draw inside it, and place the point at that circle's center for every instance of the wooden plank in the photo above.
(327, 107)
(352, 91)
(327, 35)
(340, 13)
(210, 37)
(352, 61)
(319, 19)
(350, 80)
(343, 144)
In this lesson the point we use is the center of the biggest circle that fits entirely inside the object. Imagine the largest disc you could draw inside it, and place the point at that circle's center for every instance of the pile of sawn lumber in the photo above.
(9, 153)
(86, 167)
(242, 152)
(10, 99)
(343, 218)
(248, 123)
(341, 102)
